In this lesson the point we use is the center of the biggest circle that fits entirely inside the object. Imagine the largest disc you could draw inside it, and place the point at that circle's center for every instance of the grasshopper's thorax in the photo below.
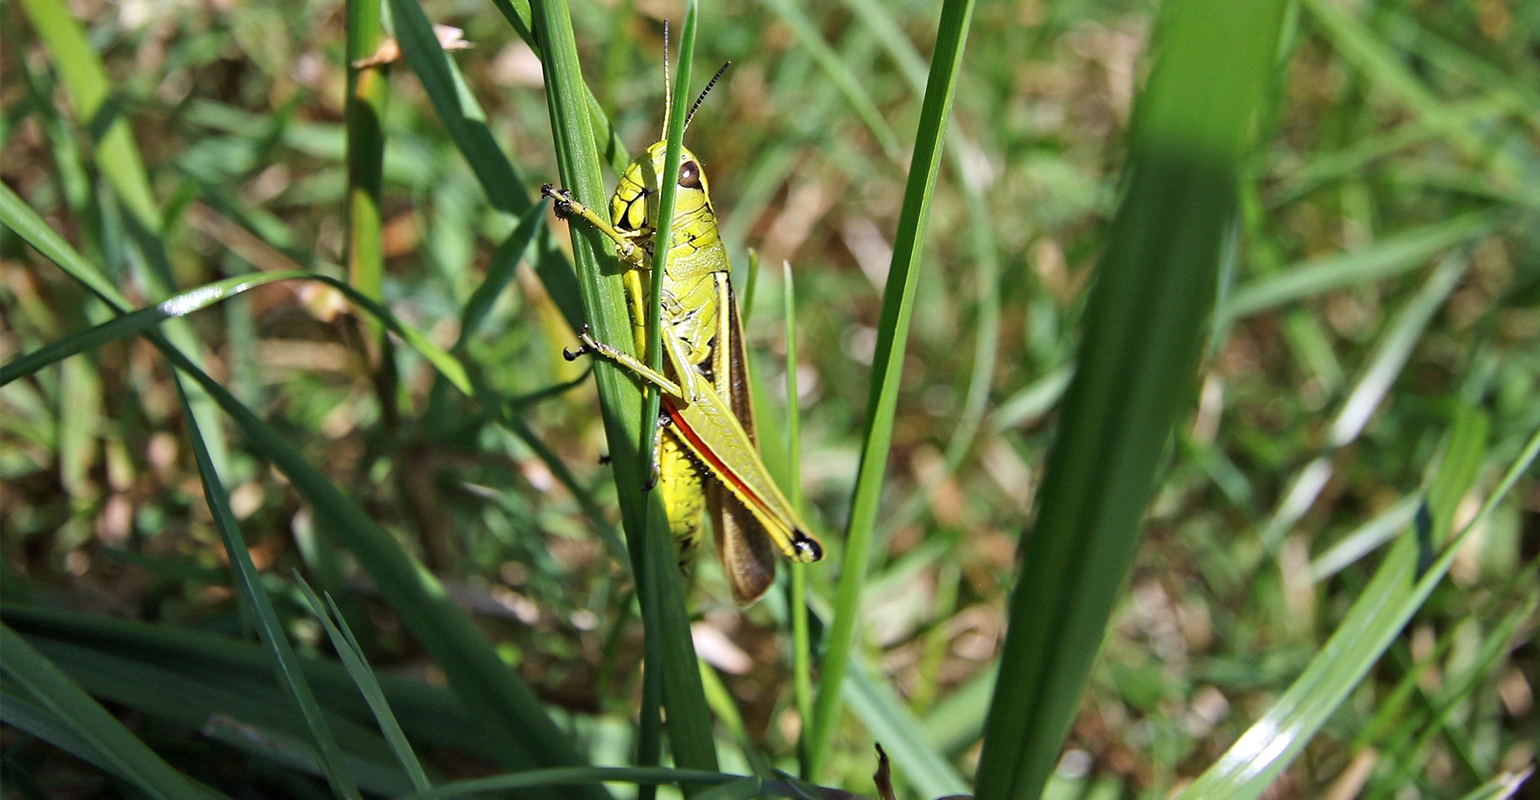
(697, 260)
(696, 247)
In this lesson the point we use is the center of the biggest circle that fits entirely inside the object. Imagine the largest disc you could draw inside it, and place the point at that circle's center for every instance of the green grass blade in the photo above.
(134, 322)
(86, 80)
(500, 271)
(891, 724)
(1391, 256)
(893, 330)
(839, 74)
(125, 755)
(357, 665)
(1143, 325)
(659, 587)
(368, 93)
(255, 603)
(467, 127)
(1397, 590)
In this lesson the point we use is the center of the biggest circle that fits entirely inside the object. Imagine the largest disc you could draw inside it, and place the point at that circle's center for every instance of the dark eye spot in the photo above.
(689, 175)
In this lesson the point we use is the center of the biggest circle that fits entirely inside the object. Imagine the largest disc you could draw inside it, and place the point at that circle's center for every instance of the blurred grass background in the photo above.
(1381, 278)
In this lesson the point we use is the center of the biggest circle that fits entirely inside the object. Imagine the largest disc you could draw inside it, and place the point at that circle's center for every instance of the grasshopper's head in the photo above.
(635, 204)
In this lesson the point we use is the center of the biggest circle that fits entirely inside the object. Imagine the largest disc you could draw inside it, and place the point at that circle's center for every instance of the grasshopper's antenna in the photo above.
(668, 89)
(705, 92)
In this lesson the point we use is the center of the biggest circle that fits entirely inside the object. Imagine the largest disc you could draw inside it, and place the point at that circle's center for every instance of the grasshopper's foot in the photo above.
(562, 200)
(586, 345)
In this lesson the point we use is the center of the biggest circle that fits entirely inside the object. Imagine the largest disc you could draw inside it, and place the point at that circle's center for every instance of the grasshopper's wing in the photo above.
(747, 552)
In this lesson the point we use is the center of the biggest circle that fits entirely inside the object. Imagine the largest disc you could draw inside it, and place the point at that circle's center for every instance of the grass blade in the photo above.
(255, 603)
(1383, 608)
(125, 755)
(893, 331)
(659, 586)
(353, 660)
(1143, 327)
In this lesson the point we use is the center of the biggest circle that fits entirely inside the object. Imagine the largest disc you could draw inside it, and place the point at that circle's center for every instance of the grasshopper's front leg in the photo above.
(626, 360)
(566, 206)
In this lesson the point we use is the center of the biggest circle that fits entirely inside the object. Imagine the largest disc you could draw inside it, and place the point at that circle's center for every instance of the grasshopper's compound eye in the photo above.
(808, 549)
(689, 175)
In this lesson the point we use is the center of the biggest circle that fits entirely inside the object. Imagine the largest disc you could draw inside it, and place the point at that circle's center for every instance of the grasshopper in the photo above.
(706, 457)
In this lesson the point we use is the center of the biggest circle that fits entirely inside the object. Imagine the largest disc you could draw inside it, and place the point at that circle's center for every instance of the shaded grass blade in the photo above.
(257, 608)
(1144, 324)
(123, 753)
(893, 331)
(364, 120)
(352, 656)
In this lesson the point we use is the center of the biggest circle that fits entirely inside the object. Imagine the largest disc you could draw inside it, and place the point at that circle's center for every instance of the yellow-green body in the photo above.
(707, 457)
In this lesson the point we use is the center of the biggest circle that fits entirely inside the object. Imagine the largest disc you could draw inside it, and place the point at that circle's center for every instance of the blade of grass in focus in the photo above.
(352, 656)
(659, 585)
(1143, 330)
(887, 367)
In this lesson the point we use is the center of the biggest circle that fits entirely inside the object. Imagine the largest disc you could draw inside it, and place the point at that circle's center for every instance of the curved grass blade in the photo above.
(1144, 325)
(505, 706)
(1382, 609)
(893, 330)
(123, 753)
(136, 321)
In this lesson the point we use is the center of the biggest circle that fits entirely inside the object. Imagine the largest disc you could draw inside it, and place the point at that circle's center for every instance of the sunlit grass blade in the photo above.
(887, 366)
(660, 589)
(1143, 330)
(1384, 365)
(125, 755)
(1397, 590)
(357, 665)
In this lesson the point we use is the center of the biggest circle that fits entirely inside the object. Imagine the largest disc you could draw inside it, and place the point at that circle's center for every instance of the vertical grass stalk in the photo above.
(887, 365)
(1144, 324)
